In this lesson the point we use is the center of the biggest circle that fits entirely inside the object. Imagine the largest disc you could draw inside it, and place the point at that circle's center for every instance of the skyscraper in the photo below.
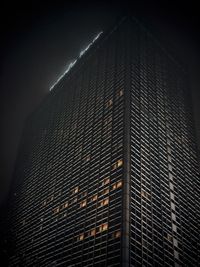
(107, 170)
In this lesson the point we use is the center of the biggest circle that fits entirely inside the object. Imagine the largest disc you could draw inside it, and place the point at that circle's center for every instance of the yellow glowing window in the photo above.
(75, 190)
(114, 186)
(93, 232)
(103, 227)
(64, 205)
(56, 210)
(106, 181)
(120, 93)
(83, 203)
(117, 164)
(117, 234)
(80, 237)
(104, 202)
(119, 184)
(93, 198)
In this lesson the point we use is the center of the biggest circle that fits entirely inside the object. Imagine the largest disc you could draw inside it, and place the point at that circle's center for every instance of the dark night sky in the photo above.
(38, 40)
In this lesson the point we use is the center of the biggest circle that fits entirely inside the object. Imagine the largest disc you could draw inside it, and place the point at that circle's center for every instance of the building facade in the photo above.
(107, 171)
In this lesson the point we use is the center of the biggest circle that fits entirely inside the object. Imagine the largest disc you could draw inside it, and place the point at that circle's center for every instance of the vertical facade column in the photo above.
(127, 160)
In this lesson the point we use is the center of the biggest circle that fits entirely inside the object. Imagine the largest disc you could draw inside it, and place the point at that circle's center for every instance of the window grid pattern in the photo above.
(164, 180)
(70, 203)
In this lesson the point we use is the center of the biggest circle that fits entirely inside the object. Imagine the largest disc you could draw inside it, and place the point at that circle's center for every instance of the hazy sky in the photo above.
(38, 40)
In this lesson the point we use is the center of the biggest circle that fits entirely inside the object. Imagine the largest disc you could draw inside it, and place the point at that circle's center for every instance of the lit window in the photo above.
(119, 184)
(93, 198)
(109, 103)
(56, 210)
(104, 202)
(75, 190)
(103, 227)
(80, 237)
(114, 186)
(117, 164)
(83, 203)
(64, 205)
(93, 232)
(120, 93)
(106, 181)
(117, 234)
(145, 194)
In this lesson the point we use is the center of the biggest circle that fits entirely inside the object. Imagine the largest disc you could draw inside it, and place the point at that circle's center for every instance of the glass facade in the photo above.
(107, 168)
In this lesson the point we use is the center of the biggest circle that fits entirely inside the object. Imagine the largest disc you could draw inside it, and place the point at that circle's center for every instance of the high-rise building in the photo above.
(107, 171)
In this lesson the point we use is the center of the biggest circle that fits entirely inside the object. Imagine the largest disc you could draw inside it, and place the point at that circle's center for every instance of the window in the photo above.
(93, 198)
(80, 237)
(117, 164)
(64, 205)
(109, 103)
(83, 203)
(105, 191)
(103, 227)
(145, 194)
(56, 210)
(106, 181)
(120, 93)
(73, 200)
(84, 194)
(119, 184)
(117, 234)
(93, 232)
(76, 190)
(104, 202)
